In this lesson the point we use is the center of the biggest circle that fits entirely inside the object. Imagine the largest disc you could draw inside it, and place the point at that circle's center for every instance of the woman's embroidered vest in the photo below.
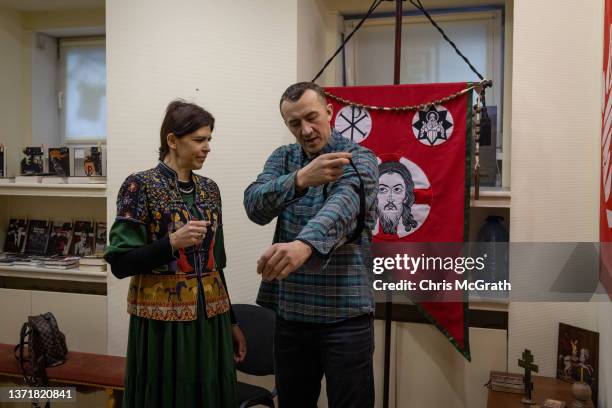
(170, 292)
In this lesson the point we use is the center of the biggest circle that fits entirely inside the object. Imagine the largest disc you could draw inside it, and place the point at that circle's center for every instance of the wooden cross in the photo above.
(527, 364)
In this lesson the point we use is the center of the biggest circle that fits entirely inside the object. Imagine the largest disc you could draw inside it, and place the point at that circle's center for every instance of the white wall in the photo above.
(235, 59)
(44, 75)
(556, 124)
(310, 39)
(318, 31)
(11, 79)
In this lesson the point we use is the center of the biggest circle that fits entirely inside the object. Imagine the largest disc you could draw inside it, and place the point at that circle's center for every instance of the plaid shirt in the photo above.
(335, 283)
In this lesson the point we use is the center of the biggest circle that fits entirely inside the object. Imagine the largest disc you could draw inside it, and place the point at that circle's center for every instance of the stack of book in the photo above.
(507, 382)
(92, 263)
(33, 261)
(9, 258)
(55, 244)
(61, 262)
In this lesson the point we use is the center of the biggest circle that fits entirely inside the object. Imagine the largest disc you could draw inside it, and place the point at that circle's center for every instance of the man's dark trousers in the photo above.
(343, 351)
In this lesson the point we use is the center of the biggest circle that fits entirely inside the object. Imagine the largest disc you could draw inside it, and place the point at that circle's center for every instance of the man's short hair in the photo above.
(295, 92)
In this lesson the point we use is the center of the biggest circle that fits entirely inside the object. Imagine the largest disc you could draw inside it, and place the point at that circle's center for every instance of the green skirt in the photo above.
(181, 364)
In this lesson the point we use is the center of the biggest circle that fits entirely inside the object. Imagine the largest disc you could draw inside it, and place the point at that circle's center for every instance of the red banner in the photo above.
(605, 210)
(423, 170)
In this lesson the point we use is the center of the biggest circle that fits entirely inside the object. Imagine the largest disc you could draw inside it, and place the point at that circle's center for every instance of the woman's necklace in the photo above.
(186, 187)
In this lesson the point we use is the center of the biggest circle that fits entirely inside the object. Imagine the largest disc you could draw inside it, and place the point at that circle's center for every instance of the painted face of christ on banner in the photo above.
(395, 197)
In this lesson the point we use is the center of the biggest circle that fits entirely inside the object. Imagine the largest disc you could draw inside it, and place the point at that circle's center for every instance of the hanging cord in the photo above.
(373, 7)
(477, 87)
(419, 5)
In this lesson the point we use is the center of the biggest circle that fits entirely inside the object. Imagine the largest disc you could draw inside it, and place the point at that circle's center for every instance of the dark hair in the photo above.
(182, 118)
(409, 198)
(295, 92)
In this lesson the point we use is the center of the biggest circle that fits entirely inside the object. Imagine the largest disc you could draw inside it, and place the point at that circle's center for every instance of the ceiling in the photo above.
(50, 5)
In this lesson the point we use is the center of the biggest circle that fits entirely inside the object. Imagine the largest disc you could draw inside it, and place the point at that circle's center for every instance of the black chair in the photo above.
(257, 324)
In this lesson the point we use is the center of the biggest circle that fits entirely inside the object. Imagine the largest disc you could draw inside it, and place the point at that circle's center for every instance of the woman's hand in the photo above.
(189, 234)
(240, 346)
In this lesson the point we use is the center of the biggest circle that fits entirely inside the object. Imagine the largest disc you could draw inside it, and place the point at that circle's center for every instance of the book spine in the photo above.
(71, 161)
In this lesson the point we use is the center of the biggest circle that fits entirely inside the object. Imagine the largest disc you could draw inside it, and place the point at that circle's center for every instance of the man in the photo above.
(395, 198)
(82, 247)
(316, 281)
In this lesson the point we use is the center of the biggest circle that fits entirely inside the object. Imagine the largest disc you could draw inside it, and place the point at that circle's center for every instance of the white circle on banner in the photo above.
(401, 214)
(433, 126)
(353, 123)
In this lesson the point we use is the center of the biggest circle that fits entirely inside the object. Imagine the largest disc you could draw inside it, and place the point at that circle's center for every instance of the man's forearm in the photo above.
(265, 200)
(333, 223)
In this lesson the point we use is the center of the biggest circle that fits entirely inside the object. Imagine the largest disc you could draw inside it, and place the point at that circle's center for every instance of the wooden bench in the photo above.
(92, 370)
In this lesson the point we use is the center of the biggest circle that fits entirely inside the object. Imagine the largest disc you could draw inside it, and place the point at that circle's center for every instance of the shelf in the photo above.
(500, 305)
(491, 197)
(53, 190)
(55, 274)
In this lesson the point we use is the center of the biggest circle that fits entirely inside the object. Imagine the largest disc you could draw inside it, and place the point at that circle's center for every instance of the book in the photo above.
(100, 246)
(90, 161)
(16, 235)
(516, 390)
(70, 266)
(60, 238)
(10, 258)
(92, 268)
(92, 260)
(2, 162)
(61, 260)
(29, 260)
(86, 180)
(28, 179)
(38, 237)
(82, 239)
(506, 382)
(32, 162)
(59, 161)
(8, 261)
(54, 180)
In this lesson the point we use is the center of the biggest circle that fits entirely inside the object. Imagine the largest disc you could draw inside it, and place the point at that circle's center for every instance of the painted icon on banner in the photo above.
(404, 197)
(353, 123)
(433, 126)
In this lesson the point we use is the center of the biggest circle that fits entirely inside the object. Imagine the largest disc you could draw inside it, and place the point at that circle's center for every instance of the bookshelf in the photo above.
(51, 201)
(53, 274)
(53, 190)
(490, 197)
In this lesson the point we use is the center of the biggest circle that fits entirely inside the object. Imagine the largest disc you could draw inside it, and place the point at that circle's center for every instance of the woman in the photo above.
(168, 237)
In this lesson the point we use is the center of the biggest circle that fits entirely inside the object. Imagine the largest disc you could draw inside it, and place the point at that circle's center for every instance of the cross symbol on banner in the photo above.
(353, 123)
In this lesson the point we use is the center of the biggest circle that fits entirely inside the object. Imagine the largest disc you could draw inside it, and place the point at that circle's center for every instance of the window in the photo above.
(82, 95)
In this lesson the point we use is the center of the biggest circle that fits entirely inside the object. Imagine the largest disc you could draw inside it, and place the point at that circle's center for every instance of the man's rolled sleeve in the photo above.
(337, 219)
(272, 191)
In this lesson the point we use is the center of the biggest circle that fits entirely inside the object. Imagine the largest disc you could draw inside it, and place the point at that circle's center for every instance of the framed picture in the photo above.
(578, 356)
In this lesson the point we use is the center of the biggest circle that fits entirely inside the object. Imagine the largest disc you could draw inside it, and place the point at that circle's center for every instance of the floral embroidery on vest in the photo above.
(152, 198)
